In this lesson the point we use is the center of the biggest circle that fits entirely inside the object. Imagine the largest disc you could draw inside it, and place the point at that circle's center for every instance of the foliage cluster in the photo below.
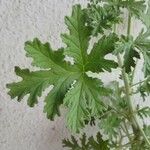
(88, 99)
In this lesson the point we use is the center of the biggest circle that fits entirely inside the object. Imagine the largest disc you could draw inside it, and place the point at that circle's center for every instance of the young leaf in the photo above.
(101, 18)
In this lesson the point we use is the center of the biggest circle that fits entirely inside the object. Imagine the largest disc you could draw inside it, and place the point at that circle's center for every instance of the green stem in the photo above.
(129, 24)
(135, 121)
(138, 83)
(127, 88)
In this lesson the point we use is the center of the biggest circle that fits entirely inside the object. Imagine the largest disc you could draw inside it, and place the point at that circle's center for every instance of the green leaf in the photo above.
(74, 144)
(84, 99)
(86, 144)
(110, 124)
(126, 45)
(99, 143)
(129, 60)
(133, 6)
(61, 74)
(96, 59)
(142, 43)
(101, 18)
(144, 112)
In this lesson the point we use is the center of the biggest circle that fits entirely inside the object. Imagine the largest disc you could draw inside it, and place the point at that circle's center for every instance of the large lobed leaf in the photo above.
(83, 98)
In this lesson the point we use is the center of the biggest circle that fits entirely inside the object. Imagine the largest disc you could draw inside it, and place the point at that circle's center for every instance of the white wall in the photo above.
(21, 127)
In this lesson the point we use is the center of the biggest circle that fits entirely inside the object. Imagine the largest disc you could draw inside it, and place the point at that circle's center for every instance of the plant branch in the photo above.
(138, 83)
(135, 122)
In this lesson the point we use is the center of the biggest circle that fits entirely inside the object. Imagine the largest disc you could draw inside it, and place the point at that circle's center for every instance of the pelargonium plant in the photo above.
(113, 107)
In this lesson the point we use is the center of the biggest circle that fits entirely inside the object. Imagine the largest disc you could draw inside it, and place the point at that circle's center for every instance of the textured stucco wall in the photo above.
(21, 127)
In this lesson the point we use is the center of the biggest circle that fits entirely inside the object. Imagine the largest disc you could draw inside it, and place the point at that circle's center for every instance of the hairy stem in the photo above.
(138, 83)
(127, 90)
(134, 119)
